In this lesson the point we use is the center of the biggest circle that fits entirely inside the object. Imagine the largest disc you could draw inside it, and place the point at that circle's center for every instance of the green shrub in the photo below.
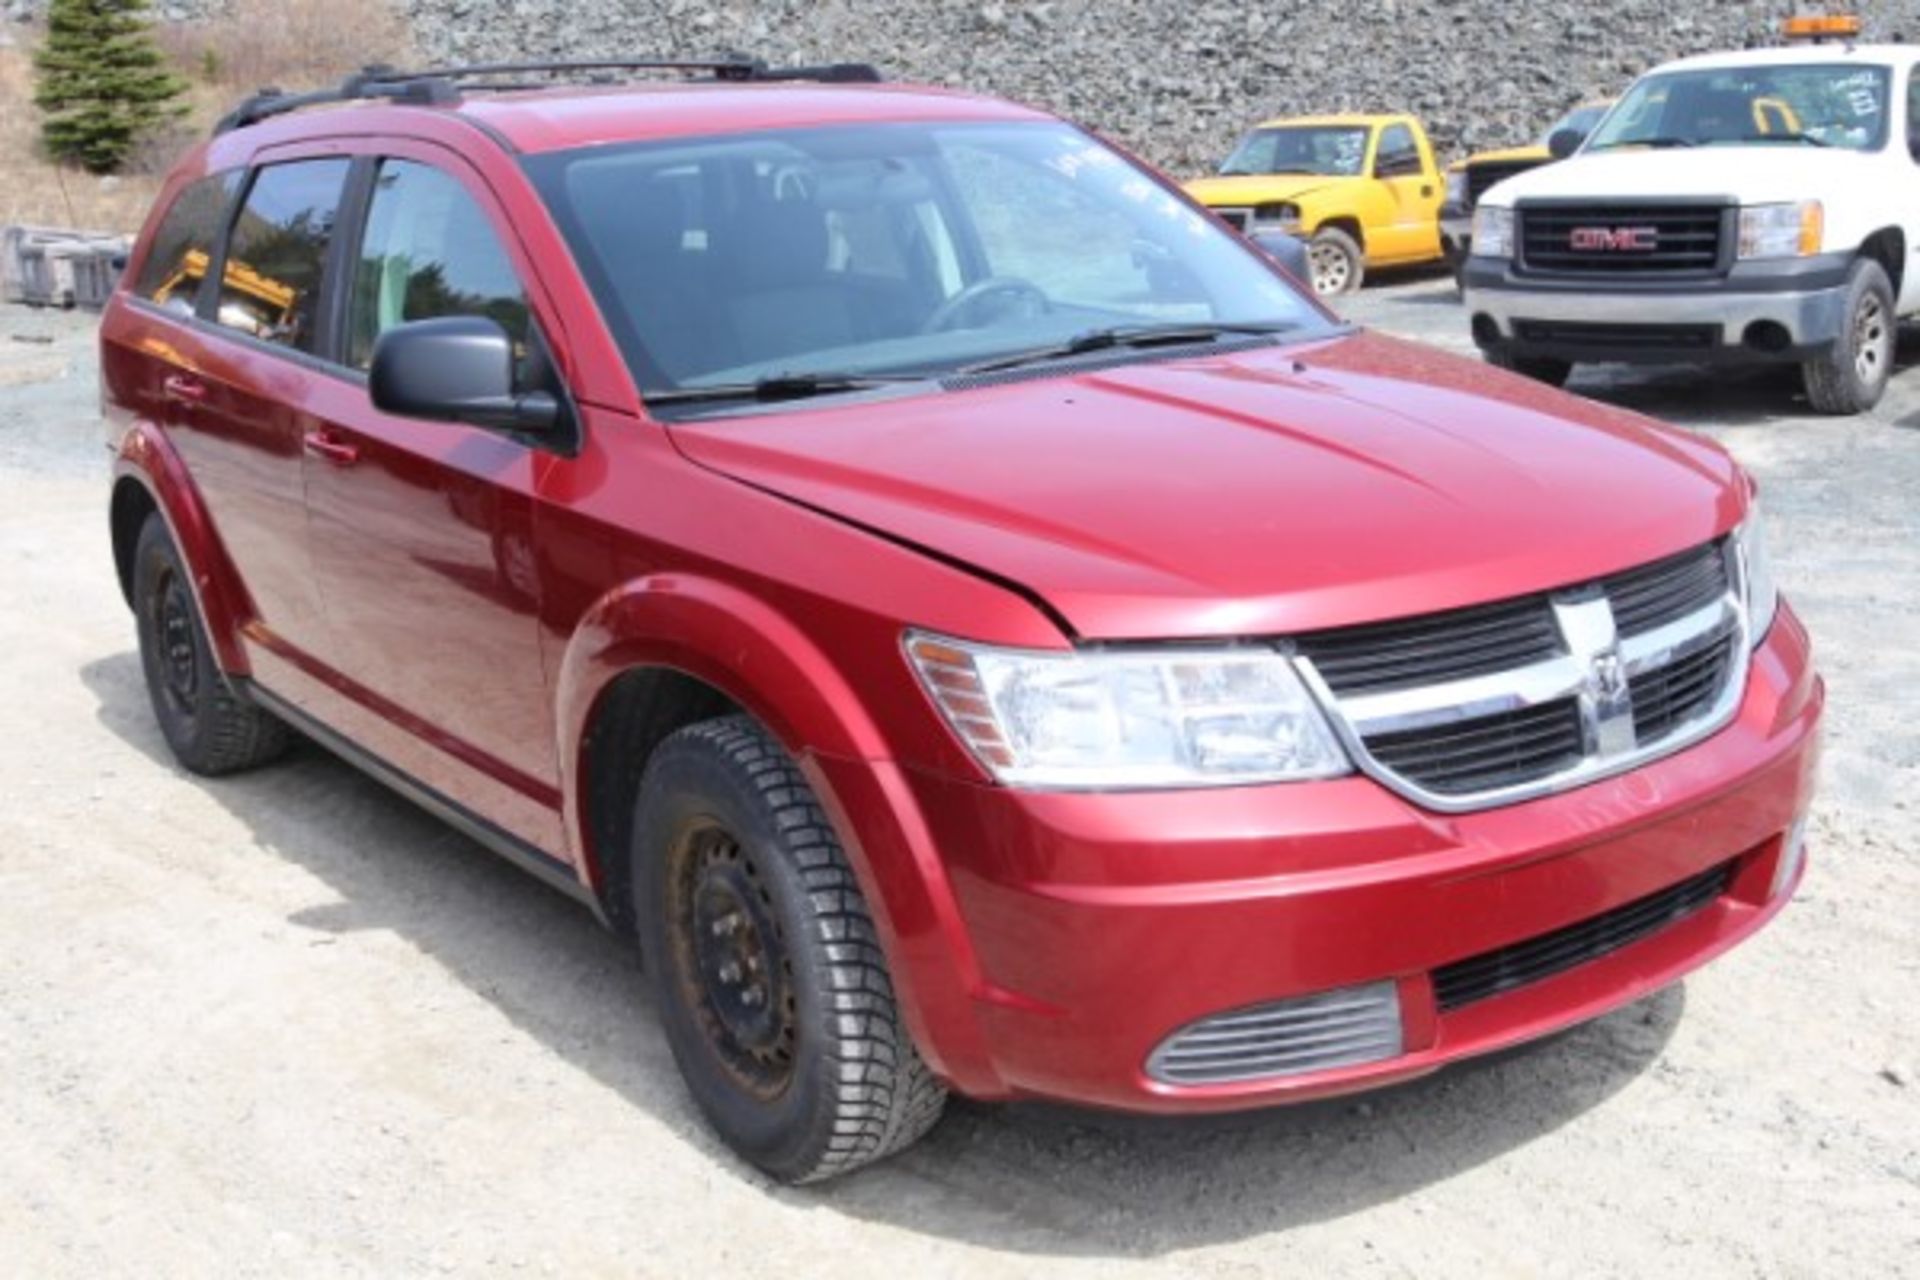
(102, 82)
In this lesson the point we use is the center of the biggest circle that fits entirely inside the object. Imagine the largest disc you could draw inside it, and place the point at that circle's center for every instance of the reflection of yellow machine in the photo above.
(249, 301)
(1773, 115)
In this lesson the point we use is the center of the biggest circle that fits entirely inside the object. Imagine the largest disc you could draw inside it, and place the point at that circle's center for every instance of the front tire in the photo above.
(1851, 377)
(211, 729)
(764, 962)
(1338, 265)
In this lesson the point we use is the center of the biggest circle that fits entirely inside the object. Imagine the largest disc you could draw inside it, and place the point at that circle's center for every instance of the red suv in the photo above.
(972, 618)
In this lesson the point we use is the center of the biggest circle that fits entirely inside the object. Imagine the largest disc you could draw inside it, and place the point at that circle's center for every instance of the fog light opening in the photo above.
(1769, 336)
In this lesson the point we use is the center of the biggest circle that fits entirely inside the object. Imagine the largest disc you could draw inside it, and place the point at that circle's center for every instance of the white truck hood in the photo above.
(1747, 174)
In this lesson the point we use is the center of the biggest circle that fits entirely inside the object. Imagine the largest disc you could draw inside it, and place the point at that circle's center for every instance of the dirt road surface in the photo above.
(287, 1025)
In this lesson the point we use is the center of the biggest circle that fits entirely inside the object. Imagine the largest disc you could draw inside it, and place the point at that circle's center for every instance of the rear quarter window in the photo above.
(182, 246)
(277, 252)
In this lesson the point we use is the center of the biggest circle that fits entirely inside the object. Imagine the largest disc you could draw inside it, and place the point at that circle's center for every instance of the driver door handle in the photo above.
(184, 388)
(325, 444)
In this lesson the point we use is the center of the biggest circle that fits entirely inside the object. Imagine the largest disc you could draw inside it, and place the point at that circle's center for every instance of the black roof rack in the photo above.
(440, 86)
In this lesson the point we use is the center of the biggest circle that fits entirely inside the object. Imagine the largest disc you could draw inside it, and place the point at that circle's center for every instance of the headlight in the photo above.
(1781, 230)
(1284, 216)
(1492, 232)
(1756, 575)
(1457, 187)
(1128, 718)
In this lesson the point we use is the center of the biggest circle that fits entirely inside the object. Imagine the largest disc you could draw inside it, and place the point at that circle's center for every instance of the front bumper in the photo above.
(1102, 923)
(1456, 232)
(1788, 310)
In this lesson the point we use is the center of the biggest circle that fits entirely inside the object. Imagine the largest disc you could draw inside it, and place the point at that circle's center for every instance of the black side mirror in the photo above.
(456, 369)
(1562, 143)
(1289, 251)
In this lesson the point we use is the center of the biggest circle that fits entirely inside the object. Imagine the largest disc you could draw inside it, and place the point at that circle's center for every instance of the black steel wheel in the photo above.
(210, 728)
(770, 980)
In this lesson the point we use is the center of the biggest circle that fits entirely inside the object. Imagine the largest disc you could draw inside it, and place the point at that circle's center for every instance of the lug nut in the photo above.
(729, 973)
(753, 997)
(726, 924)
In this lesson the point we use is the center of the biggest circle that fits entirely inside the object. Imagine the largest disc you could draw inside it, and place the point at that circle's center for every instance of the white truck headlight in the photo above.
(1492, 232)
(1781, 230)
(1756, 574)
(1128, 718)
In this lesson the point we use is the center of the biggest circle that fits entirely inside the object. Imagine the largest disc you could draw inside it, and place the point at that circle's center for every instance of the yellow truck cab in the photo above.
(1362, 190)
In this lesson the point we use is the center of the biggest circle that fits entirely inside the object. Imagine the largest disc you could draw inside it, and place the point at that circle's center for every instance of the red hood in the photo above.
(1259, 493)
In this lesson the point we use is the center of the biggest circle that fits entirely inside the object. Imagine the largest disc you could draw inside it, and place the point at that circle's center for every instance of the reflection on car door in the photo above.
(421, 531)
(239, 393)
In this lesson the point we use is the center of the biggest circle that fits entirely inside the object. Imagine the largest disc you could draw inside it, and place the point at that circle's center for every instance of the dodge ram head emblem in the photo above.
(1614, 239)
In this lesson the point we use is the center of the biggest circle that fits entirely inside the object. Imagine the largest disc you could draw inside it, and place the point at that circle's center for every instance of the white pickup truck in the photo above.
(1752, 206)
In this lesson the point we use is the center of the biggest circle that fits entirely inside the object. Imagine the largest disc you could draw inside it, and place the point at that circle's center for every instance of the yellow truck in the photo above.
(1469, 179)
(1363, 191)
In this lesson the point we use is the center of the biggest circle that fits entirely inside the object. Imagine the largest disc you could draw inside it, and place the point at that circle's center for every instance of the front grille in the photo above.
(1491, 703)
(1665, 699)
(1681, 339)
(1522, 963)
(1313, 1033)
(1487, 752)
(1622, 239)
(1656, 594)
(1433, 648)
(1482, 175)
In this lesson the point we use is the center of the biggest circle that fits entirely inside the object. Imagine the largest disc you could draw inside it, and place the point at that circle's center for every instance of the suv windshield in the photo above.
(1333, 151)
(1818, 104)
(813, 258)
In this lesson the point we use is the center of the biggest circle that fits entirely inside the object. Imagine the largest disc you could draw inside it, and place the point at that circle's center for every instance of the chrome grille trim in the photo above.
(1341, 1028)
(1611, 674)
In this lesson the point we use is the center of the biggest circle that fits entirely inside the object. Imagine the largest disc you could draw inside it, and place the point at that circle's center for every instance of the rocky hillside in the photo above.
(1175, 81)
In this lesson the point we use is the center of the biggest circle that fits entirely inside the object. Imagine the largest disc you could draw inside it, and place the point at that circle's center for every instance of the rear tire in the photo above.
(764, 962)
(211, 729)
(1540, 368)
(1337, 264)
(1851, 377)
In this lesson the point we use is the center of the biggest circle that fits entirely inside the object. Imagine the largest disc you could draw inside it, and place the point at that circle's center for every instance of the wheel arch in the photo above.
(1888, 247)
(671, 649)
(150, 478)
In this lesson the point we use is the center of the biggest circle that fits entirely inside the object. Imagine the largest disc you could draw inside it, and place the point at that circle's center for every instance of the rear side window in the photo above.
(276, 252)
(182, 245)
(429, 251)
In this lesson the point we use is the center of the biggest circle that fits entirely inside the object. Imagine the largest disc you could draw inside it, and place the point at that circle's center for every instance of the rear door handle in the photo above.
(184, 388)
(324, 444)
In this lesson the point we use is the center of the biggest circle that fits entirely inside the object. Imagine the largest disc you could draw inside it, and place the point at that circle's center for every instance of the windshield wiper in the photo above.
(778, 386)
(1125, 335)
(1646, 142)
(1807, 138)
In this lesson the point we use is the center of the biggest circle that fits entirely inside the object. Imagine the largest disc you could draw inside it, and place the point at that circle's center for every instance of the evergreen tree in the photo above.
(103, 82)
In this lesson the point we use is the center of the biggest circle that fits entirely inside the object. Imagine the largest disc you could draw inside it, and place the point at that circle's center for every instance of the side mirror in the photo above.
(1562, 143)
(456, 369)
(1289, 251)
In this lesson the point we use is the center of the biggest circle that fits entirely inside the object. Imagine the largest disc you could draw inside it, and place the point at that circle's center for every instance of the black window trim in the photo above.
(336, 291)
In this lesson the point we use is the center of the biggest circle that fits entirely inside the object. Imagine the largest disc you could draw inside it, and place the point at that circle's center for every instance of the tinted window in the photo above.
(177, 260)
(277, 250)
(1396, 148)
(429, 251)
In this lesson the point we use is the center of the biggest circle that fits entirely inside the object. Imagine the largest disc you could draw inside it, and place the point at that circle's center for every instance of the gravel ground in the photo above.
(286, 1024)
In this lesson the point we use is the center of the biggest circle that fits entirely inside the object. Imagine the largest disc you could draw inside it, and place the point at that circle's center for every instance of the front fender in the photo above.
(146, 458)
(757, 656)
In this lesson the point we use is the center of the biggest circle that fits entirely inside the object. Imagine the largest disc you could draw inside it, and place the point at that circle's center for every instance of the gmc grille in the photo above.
(1623, 240)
